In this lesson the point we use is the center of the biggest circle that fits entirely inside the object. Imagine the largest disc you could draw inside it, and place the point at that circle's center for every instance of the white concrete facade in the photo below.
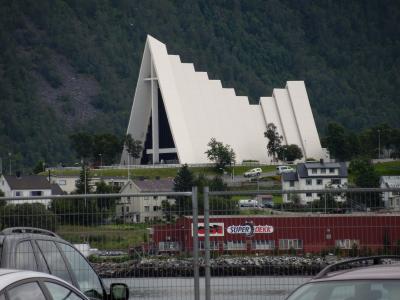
(199, 109)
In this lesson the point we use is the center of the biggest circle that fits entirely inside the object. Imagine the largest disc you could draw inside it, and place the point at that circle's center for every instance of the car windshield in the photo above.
(349, 290)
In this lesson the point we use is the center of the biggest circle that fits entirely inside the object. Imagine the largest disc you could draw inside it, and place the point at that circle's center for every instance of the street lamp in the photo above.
(9, 158)
(101, 160)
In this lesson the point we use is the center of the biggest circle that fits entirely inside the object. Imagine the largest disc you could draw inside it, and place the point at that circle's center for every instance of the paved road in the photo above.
(240, 178)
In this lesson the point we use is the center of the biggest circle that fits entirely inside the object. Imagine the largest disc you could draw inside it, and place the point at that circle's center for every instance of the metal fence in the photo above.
(200, 244)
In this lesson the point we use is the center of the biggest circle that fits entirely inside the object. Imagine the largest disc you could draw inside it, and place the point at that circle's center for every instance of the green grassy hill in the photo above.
(68, 65)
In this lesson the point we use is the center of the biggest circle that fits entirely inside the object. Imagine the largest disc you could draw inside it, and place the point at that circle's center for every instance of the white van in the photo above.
(283, 169)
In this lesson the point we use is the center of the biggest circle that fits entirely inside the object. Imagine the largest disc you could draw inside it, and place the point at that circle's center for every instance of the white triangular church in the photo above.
(177, 110)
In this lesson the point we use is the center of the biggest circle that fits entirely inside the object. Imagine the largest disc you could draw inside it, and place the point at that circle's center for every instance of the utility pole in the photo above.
(379, 143)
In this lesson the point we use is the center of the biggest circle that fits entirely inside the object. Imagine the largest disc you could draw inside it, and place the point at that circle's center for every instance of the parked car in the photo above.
(248, 203)
(284, 169)
(253, 172)
(373, 282)
(36, 249)
(18, 284)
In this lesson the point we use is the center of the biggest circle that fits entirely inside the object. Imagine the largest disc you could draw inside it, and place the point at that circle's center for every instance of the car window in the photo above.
(88, 280)
(24, 257)
(59, 292)
(54, 260)
(29, 290)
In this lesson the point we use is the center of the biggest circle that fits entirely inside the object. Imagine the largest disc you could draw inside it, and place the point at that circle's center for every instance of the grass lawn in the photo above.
(110, 237)
(156, 172)
(388, 168)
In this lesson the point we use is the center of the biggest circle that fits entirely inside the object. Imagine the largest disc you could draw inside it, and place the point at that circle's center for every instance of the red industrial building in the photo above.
(301, 232)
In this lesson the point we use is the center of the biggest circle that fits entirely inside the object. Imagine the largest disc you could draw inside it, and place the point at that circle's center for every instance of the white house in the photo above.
(28, 186)
(187, 108)
(391, 199)
(146, 208)
(315, 176)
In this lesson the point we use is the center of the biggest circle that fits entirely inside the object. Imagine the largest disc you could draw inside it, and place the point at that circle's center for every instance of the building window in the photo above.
(36, 193)
(331, 170)
(346, 243)
(122, 209)
(127, 209)
(168, 246)
(308, 181)
(319, 181)
(263, 245)
(146, 219)
(214, 245)
(147, 208)
(308, 194)
(314, 171)
(291, 183)
(235, 245)
(336, 181)
(156, 208)
(62, 182)
(18, 194)
(290, 244)
(323, 171)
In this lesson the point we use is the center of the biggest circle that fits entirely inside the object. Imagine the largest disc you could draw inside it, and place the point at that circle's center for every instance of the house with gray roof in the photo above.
(391, 199)
(28, 186)
(315, 176)
(145, 208)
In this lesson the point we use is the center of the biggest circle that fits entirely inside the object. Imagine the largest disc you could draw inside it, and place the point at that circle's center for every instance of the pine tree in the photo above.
(184, 179)
(83, 184)
(183, 182)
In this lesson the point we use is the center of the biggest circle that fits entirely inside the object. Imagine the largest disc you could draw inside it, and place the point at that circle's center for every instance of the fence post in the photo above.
(207, 244)
(195, 244)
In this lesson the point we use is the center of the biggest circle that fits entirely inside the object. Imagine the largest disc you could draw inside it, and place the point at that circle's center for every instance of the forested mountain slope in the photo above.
(68, 65)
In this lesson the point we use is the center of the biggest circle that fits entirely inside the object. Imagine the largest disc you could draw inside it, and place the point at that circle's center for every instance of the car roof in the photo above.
(376, 272)
(10, 276)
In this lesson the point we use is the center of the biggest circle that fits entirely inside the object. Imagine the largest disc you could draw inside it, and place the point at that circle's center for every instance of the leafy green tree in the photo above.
(106, 148)
(82, 143)
(217, 184)
(337, 142)
(290, 152)
(364, 173)
(106, 204)
(365, 176)
(222, 155)
(274, 140)
(40, 167)
(133, 147)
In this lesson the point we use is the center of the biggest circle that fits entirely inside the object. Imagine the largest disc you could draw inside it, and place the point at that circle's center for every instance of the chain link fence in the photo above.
(200, 244)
